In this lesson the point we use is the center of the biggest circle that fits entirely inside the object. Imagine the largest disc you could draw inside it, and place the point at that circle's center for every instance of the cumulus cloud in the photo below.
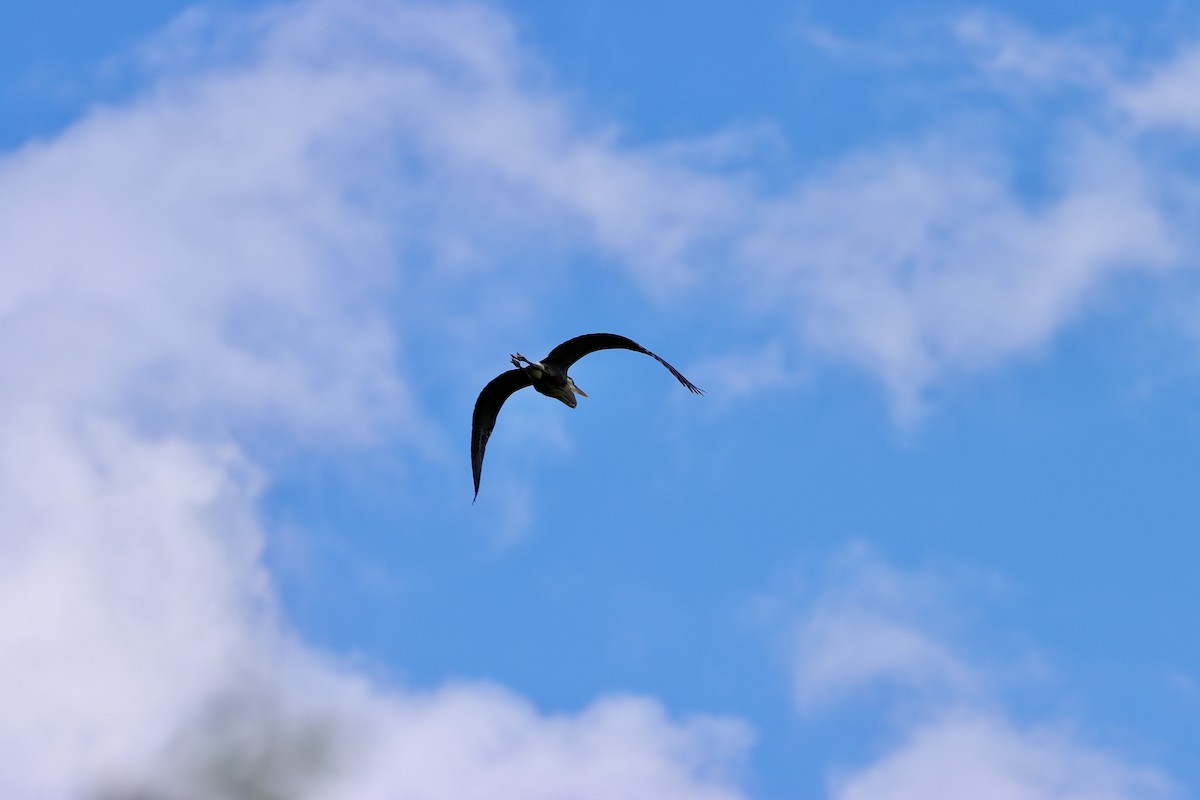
(131, 582)
(480, 741)
(177, 258)
(325, 735)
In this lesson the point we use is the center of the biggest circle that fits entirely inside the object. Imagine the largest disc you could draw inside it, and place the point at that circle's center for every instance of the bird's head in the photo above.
(566, 392)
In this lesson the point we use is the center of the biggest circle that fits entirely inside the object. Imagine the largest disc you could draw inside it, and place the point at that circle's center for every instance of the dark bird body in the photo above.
(549, 377)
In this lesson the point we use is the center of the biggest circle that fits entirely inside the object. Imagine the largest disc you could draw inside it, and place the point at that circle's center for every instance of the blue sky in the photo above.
(930, 533)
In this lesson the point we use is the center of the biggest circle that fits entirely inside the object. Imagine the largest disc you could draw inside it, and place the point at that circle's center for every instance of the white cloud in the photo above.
(328, 736)
(917, 261)
(1166, 98)
(479, 741)
(228, 257)
(977, 756)
(844, 651)
(926, 259)
(1019, 58)
(252, 244)
(921, 262)
(178, 257)
(132, 584)
(875, 626)
(144, 658)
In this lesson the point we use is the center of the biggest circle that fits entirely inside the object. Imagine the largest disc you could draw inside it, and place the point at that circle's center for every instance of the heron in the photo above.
(549, 377)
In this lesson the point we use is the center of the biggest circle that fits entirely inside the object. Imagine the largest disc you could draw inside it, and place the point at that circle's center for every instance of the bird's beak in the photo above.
(577, 390)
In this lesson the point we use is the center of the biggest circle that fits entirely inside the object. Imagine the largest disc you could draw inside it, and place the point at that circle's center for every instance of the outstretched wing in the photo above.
(487, 407)
(572, 350)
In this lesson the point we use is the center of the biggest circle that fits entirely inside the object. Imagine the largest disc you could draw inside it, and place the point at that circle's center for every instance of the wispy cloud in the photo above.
(979, 755)
(925, 259)
(1018, 58)
(874, 626)
(1163, 98)
(921, 262)
(871, 629)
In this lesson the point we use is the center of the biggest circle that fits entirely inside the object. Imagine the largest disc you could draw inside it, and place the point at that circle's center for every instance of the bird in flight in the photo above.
(549, 377)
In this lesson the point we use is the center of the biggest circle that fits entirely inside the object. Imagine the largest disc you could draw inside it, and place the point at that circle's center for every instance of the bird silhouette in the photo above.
(549, 377)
